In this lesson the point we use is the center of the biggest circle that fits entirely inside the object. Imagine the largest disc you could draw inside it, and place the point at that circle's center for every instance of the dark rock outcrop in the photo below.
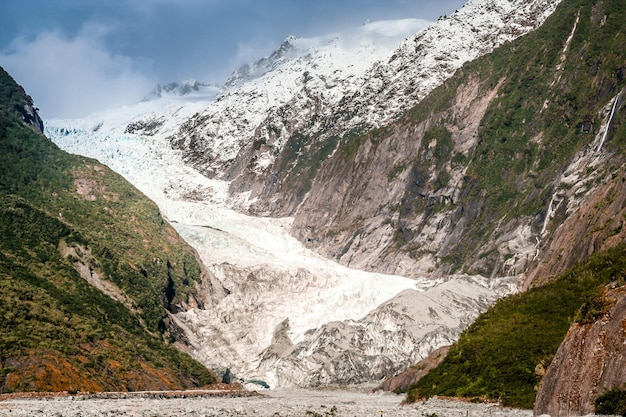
(227, 377)
(16, 104)
(30, 116)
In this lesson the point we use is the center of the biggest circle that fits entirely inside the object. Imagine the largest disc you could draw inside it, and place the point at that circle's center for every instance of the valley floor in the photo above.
(280, 402)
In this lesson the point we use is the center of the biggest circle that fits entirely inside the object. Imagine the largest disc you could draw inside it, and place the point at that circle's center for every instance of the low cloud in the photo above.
(252, 50)
(75, 76)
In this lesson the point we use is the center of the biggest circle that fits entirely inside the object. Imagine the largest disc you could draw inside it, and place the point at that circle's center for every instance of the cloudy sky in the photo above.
(75, 57)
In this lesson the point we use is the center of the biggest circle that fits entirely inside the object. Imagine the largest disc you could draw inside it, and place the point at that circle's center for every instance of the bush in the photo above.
(612, 402)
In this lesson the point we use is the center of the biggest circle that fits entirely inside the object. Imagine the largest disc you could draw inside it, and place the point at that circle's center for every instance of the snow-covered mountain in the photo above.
(329, 91)
(319, 70)
(273, 309)
(423, 61)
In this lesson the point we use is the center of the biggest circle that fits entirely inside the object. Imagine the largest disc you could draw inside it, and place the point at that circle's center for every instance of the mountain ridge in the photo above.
(66, 219)
(416, 66)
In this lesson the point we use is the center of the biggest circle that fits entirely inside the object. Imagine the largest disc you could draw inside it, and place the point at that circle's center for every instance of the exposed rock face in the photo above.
(190, 88)
(391, 87)
(30, 116)
(387, 196)
(403, 380)
(16, 104)
(588, 215)
(589, 362)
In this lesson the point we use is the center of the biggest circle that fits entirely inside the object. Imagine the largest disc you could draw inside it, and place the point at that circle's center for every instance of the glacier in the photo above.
(272, 279)
(277, 311)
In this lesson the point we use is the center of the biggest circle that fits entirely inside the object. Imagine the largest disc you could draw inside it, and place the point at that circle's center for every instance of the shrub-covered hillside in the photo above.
(504, 353)
(88, 271)
(556, 89)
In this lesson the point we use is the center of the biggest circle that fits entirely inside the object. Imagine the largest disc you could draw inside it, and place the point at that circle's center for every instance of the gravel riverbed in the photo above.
(275, 403)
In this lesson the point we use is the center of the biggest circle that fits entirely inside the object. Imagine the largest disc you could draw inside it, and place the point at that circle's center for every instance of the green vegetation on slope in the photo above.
(500, 355)
(546, 110)
(612, 402)
(548, 105)
(61, 214)
(537, 122)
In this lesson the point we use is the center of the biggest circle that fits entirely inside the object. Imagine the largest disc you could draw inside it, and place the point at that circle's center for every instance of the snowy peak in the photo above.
(248, 72)
(328, 85)
(317, 71)
(376, 38)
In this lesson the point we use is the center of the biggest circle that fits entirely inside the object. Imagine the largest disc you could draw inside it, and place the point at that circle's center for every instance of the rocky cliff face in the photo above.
(403, 201)
(30, 116)
(551, 192)
(589, 362)
(467, 181)
(418, 65)
(583, 226)
(403, 380)
(15, 104)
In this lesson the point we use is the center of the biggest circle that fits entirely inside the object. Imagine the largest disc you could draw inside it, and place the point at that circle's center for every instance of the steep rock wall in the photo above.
(589, 362)
(395, 193)
(403, 380)
(594, 224)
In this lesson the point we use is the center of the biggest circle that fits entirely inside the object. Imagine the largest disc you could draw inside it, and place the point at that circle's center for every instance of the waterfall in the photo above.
(608, 125)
